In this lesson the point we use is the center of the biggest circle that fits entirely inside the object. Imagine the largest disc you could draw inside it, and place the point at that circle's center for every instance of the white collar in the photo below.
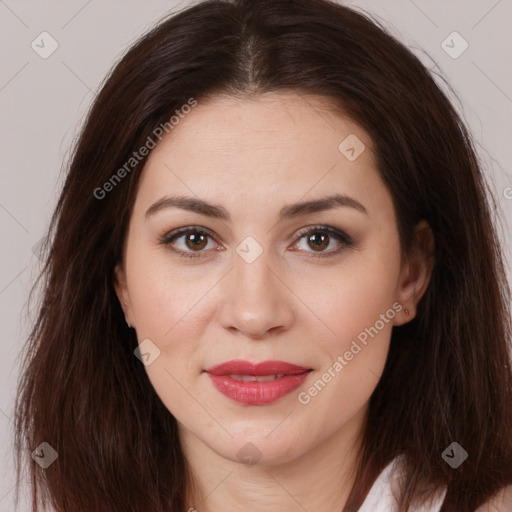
(381, 498)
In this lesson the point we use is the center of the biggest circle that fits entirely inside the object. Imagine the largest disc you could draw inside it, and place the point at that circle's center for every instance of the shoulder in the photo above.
(501, 502)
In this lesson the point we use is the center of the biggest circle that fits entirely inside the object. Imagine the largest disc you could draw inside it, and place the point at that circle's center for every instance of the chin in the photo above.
(252, 450)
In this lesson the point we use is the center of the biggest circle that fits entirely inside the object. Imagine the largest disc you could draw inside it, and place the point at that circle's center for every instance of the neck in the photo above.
(319, 479)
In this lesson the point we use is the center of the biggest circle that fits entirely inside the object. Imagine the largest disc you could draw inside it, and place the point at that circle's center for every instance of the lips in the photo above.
(256, 384)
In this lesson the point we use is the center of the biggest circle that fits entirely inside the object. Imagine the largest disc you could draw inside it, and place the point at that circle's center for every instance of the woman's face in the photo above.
(272, 272)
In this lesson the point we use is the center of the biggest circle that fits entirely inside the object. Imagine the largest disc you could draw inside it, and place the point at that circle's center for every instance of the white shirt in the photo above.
(380, 497)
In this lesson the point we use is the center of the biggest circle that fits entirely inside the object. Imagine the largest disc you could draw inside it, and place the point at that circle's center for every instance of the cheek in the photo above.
(354, 297)
(360, 316)
(360, 342)
(168, 377)
(358, 307)
(167, 307)
(164, 296)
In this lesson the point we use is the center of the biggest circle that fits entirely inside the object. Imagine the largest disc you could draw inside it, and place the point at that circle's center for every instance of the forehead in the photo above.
(281, 145)
(273, 122)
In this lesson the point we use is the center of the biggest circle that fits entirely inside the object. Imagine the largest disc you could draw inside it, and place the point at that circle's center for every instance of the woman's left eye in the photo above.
(318, 238)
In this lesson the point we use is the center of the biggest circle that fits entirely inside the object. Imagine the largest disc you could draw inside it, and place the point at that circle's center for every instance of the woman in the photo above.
(273, 282)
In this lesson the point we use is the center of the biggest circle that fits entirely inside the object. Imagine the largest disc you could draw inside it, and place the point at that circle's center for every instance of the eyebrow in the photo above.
(217, 211)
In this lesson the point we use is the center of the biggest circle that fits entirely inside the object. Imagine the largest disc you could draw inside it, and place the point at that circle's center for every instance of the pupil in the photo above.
(318, 240)
(196, 239)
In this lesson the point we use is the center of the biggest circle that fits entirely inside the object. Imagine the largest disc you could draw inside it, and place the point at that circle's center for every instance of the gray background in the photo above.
(43, 101)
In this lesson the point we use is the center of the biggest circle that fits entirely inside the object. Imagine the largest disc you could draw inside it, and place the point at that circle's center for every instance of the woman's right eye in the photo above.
(193, 242)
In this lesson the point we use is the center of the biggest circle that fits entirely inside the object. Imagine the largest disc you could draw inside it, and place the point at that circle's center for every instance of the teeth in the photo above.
(254, 378)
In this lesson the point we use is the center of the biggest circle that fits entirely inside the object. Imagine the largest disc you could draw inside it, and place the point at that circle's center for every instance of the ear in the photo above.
(122, 293)
(416, 273)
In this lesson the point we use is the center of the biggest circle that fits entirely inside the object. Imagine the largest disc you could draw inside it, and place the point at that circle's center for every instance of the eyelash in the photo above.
(340, 236)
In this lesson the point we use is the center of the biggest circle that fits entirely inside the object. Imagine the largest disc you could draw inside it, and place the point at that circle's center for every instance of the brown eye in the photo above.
(196, 240)
(318, 241)
(189, 242)
(323, 240)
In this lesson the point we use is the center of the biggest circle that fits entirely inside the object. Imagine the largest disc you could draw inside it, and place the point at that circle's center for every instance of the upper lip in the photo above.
(241, 367)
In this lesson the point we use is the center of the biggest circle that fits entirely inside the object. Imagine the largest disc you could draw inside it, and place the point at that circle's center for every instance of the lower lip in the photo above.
(257, 393)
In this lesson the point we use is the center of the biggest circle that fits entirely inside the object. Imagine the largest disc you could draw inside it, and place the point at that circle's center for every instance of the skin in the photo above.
(253, 157)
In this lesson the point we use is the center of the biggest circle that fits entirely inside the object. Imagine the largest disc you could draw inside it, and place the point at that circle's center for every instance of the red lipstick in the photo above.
(256, 384)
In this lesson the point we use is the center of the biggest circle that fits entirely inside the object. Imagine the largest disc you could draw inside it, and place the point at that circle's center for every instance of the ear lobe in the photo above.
(417, 272)
(121, 290)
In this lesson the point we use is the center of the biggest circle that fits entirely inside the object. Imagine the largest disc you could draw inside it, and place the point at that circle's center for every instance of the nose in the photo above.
(255, 301)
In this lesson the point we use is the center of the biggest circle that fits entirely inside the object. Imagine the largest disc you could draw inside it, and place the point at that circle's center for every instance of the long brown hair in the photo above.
(448, 375)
